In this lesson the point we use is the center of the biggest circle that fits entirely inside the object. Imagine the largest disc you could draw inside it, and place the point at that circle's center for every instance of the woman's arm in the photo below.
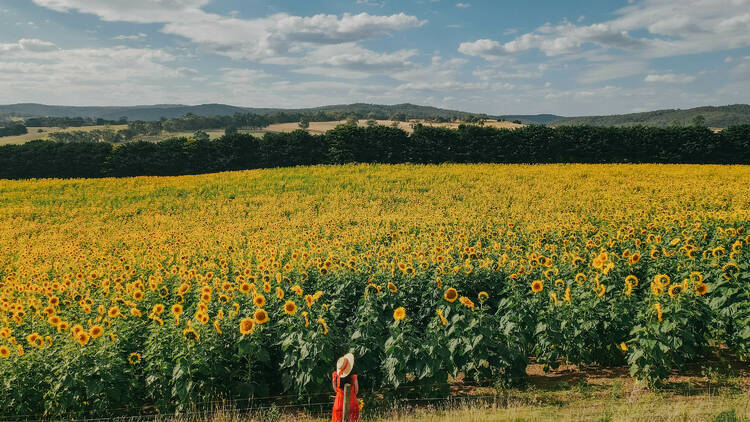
(333, 382)
(355, 387)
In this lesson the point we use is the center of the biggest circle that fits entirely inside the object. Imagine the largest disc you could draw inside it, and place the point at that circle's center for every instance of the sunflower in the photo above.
(279, 293)
(96, 331)
(290, 308)
(309, 299)
(730, 270)
(4, 352)
(675, 290)
(138, 295)
(158, 309)
(439, 313)
(392, 287)
(323, 325)
(114, 311)
(657, 306)
(247, 326)
(466, 302)
(399, 313)
(701, 289)
(190, 334)
(632, 280)
(580, 278)
(482, 296)
(450, 295)
(134, 358)
(217, 326)
(261, 316)
(623, 347)
(566, 298)
(245, 288)
(82, 338)
(177, 310)
(602, 290)
(662, 280)
(537, 286)
(267, 287)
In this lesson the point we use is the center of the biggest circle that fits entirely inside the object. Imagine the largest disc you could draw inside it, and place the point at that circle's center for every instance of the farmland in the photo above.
(42, 133)
(119, 295)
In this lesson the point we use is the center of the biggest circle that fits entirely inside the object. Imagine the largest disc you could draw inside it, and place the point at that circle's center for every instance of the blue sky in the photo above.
(497, 57)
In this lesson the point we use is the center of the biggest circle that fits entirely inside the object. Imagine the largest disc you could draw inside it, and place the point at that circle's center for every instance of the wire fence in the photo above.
(317, 405)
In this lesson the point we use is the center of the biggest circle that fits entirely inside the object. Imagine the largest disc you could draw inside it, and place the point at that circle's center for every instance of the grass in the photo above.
(571, 405)
(566, 395)
(34, 133)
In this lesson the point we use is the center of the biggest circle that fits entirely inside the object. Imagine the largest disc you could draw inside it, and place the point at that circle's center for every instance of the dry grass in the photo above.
(638, 407)
(322, 127)
(34, 133)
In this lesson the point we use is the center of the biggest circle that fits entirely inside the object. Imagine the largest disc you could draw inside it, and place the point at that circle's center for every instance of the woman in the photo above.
(342, 376)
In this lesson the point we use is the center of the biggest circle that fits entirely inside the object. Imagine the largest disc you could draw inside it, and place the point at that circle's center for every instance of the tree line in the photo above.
(13, 129)
(64, 122)
(379, 144)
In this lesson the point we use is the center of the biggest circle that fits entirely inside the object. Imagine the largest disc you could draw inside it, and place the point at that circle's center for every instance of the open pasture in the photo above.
(43, 132)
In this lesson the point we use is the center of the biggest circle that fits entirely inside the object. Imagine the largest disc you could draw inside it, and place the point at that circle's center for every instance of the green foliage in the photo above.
(721, 117)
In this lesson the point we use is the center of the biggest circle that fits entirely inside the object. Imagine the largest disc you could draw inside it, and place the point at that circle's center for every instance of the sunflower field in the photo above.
(161, 294)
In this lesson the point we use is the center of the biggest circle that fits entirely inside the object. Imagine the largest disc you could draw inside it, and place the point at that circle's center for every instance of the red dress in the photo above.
(338, 405)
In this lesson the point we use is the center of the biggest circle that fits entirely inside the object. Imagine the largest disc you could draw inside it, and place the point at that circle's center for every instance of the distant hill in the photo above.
(156, 112)
(539, 119)
(722, 116)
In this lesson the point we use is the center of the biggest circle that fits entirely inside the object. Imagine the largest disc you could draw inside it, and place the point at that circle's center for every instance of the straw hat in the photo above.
(345, 364)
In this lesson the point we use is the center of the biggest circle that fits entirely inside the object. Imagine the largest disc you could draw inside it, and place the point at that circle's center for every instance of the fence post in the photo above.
(345, 410)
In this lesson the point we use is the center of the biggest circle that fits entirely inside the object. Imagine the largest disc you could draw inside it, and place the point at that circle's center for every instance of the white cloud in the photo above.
(28, 45)
(280, 34)
(670, 78)
(463, 5)
(671, 28)
(137, 36)
(140, 11)
(35, 69)
(248, 39)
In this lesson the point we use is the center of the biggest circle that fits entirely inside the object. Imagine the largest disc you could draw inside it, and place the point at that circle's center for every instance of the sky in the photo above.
(497, 57)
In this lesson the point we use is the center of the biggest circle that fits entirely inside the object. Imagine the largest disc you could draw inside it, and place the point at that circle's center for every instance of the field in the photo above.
(143, 295)
(323, 127)
(34, 133)
(315, 128)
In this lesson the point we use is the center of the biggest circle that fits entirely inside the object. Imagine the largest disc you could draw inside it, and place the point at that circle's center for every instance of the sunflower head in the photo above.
(537, 286)
(290, 308)
(450, 294)
(96, 331)
(247, 326)
(399, 314)
(82, 338)
(261, 316)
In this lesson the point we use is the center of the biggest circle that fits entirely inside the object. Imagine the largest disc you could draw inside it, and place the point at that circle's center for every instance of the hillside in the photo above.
(156, 112)
(539, 119)
(722, 116)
